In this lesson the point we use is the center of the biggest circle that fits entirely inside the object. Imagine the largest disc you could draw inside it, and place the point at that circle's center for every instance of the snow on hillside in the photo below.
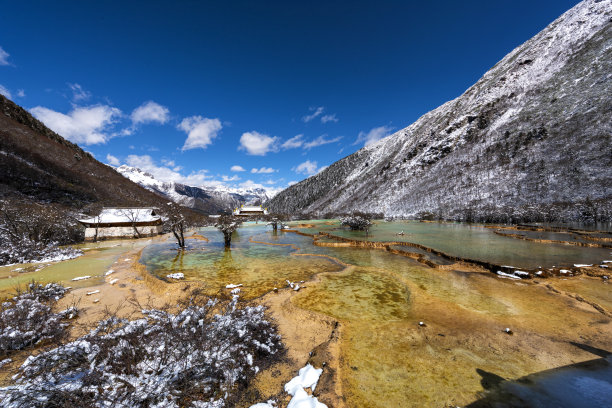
(210, 199)
(532, 136)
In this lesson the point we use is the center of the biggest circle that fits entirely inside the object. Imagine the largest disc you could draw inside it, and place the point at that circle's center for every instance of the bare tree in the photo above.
(227, 224)
(95, 208)
(275, 220)
(134, 215)
(177, 221)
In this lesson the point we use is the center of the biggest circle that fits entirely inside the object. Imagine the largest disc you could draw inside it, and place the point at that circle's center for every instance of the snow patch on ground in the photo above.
(307, 377)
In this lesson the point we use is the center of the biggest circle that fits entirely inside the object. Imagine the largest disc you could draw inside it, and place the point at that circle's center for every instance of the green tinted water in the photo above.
(259, 268)
(387, 358)
(379, 298)
(472, 242)
(96, 260)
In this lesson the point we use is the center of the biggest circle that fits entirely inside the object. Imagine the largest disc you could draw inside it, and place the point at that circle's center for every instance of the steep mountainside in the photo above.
(531, 139)
(207, 200)
(40, 164)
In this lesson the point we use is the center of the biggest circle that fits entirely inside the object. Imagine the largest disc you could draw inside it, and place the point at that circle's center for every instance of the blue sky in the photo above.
(244, 94)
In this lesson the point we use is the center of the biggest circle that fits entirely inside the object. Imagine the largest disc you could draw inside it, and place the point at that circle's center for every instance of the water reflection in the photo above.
(470, 241)
(387, 358)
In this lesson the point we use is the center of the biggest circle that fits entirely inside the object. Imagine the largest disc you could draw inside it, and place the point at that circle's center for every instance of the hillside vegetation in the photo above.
(39, 164)
(530, 141)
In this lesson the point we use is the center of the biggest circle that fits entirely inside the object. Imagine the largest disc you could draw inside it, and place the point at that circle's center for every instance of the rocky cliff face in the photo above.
(532, 139)
(206, 200)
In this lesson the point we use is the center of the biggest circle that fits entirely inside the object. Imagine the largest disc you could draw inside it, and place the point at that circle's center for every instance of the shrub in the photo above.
(28, 319)
(357, 221)
(202, 355)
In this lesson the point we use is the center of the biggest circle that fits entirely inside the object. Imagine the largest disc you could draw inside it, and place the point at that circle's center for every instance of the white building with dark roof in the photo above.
(250, 210)
(129, 222)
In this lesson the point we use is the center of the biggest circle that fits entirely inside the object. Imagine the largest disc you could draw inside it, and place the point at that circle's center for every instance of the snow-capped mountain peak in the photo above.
(206, 199)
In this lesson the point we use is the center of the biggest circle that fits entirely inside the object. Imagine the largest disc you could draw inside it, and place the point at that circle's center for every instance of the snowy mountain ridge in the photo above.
(532, 134)
(206, 199)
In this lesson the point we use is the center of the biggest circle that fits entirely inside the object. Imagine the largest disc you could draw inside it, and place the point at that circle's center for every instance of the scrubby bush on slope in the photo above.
(28, 319)
(201, 355)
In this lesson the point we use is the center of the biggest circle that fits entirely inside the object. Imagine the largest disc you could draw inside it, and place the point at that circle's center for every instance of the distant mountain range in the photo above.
(531, 140)
(39, 164)
(209, 200)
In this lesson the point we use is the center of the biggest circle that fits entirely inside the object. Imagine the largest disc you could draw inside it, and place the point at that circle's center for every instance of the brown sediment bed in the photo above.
(197, 236)
(273, 243)
(309, 338)
(553, 241)
(305, 226)
(475, 263)
(591, 238)
(155, 284)
(568, 230)
(386, 245)
(581, 299)
(331, 258)
(562, 229)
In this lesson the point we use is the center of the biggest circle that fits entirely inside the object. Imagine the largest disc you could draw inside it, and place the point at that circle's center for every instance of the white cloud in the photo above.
(86, 125)
(232, 178)
(316, 111)
(237, 168)
(146, 163)
(263, 170)
(150, 112)
(374, 135)
(4, 57)
(294, 142)
(78, 93)
(320, 141)
(251, 185)
(112, 160)
(308, 167)
(200, 131)
(292, 183)
(5, 92)
(169, 163)
(329, 118)
(258, 144)
(21, 93)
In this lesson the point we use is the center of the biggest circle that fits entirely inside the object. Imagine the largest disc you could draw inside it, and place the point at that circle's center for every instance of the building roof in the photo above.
(246, 209)
(123, 215)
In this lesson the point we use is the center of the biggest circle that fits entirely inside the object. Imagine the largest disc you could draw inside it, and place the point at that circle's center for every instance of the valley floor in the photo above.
(384, 336)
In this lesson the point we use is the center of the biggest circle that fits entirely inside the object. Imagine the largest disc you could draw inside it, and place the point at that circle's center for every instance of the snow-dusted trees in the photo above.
(31, 231)
(95, 209)
(133, 215)
(275, 220)
(202, 353)
(357, 221)
(227, 224)
(28, 318)
(176, 220)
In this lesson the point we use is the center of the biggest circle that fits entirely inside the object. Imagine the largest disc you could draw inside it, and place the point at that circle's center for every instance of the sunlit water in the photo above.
(472, 242)
(387, 358)
(95, 261)
(379, 298)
